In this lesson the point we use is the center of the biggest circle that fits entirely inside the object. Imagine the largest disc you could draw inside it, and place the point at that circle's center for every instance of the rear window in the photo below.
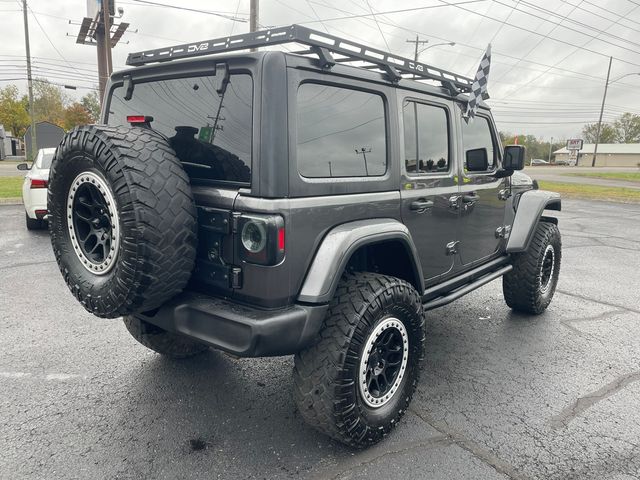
(210, 133)
(44, 160)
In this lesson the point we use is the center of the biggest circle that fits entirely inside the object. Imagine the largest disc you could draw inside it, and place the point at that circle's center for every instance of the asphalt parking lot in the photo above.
(501, 396)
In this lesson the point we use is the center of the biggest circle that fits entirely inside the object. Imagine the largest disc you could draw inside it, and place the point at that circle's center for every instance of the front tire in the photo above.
(530, 286)
(165, 343)
(356, 382)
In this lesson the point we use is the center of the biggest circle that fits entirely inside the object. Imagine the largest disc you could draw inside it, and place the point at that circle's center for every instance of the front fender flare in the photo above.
(530, 207)
(340, 243)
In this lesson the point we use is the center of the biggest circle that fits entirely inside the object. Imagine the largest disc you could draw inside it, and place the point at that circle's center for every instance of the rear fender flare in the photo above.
(339, 245)
(529, 211)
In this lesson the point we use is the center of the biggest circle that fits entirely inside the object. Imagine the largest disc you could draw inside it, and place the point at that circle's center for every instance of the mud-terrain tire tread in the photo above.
(521, 285)
(321, 382)
(157, 218)
(165, 343)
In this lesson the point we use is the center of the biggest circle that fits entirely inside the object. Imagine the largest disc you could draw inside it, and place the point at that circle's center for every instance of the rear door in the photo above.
(429, 180)
(482, 195)
(211, 134)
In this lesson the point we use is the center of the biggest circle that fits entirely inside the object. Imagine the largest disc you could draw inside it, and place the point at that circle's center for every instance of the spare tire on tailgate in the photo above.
(123, 220)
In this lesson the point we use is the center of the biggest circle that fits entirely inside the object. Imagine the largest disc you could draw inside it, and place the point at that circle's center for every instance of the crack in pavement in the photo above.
(587, 401)
(472, 447)
(583, 297)
(593, 318)
(26, 264)
(372, 455)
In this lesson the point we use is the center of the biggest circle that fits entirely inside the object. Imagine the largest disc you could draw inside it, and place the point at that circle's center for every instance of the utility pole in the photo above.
(363, 151)
(254, 17)
(95, 29)
(604, 99)
(34, 143)
(550, 148)
(418, 42)
(103, 44)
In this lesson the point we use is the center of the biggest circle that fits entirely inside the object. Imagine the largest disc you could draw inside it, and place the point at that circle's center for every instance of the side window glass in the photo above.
(477, 138)
(426, 138)
(341, 132)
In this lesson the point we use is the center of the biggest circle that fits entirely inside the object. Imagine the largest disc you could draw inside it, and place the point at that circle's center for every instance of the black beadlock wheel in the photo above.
(357, 380)
(530, 286)
(122, 219)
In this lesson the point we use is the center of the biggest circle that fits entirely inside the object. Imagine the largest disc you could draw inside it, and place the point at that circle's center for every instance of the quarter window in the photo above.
(477, 135)
(426, 138)
(341, 132)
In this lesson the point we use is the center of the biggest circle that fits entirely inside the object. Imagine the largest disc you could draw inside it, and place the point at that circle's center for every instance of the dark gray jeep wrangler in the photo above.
(274, 203)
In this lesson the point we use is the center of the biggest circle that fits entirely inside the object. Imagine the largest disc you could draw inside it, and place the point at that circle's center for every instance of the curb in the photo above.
(11, 201)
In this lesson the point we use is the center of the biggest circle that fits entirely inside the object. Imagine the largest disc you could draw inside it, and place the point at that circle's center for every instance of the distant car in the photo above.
(34, 189)
(538, 161)
(562, 162)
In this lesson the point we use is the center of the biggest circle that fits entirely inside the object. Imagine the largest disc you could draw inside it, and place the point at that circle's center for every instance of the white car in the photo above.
(34, 188)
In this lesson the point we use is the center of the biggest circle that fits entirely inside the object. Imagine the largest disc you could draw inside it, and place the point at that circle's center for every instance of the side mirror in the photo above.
(514, 157)
(23, 166)
(477, 160)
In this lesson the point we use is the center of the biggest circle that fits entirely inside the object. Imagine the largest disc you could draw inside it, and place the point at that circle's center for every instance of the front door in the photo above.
(482, 195)
(429, 182)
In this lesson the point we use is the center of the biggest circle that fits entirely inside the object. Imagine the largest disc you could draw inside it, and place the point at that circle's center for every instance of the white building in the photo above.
(609, 155)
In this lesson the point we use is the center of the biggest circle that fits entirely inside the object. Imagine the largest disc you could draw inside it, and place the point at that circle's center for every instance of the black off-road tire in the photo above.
(526, 288)
(165, 343)
(156, 245)
(326, 380)
(34, 223)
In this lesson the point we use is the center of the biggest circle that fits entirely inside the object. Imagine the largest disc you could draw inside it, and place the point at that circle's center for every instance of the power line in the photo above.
(520, 27)
(389, 12)
(187, 9)
(381, 33)
(572, 73)
(565, 57)
(49, 40)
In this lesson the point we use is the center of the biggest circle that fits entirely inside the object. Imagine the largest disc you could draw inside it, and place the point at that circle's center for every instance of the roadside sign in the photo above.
(574, 144)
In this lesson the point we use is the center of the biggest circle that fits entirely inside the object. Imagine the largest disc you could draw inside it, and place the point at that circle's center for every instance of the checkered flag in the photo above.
(479, 86)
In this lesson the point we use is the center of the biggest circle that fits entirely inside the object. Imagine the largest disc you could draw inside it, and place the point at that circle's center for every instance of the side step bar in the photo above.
(466, 288)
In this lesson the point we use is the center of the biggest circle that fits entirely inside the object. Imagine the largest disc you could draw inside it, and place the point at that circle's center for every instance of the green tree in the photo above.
(628, 128)
(13, 111)
(608, 133)
(74, 115)
(49, 102)
(91, 103)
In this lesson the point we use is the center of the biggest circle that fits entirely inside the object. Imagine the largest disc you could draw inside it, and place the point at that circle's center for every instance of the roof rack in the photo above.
(321, 44)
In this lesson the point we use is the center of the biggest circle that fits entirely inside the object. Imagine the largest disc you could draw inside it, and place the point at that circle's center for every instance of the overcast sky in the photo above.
(549, 60)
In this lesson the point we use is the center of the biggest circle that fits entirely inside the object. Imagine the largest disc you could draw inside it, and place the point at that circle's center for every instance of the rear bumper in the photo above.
(238, 329)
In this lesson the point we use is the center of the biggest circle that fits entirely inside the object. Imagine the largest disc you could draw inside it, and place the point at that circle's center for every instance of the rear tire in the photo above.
(356, 382)
(165, 343)
(123, 219)
(530, 286)
(34, 223)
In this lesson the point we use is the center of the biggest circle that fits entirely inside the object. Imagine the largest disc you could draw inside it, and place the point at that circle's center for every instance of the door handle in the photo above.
(472, 197)
(420, 205)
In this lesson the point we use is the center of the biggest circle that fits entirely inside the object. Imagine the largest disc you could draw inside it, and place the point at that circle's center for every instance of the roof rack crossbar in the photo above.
(322, 44)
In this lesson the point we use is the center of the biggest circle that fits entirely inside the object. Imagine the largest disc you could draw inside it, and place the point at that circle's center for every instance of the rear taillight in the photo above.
(261, 239)
(38, 183)
(140, 120)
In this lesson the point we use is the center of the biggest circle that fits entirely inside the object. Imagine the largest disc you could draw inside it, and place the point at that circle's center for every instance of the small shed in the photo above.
(48, 135)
